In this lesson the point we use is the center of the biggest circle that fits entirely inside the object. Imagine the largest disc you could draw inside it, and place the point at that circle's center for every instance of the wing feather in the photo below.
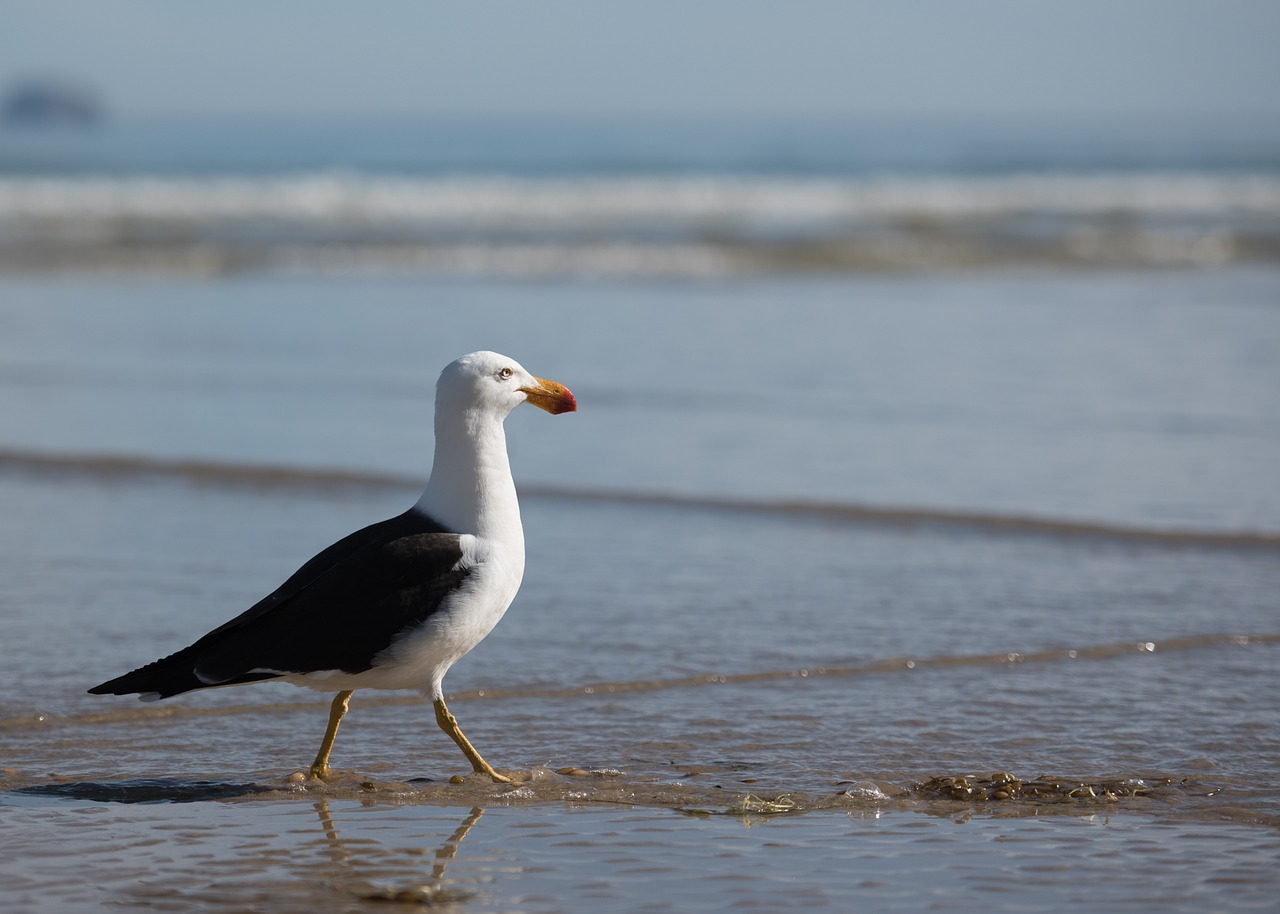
(336, 612)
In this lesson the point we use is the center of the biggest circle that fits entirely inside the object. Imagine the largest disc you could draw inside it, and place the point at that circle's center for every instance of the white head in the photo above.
(470, 490)
(493, 384)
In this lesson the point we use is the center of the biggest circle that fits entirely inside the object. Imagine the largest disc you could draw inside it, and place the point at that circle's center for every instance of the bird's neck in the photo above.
(471, 489)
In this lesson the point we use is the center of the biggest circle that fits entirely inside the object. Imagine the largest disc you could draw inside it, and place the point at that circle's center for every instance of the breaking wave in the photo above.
(499, 204)
(685, 225)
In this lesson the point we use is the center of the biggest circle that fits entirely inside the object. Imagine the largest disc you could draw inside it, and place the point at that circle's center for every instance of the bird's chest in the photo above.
(471, 613)
(463, 619)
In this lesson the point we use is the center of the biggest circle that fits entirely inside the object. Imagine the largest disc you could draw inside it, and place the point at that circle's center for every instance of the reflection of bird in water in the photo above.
(433, 891)
(394, 605)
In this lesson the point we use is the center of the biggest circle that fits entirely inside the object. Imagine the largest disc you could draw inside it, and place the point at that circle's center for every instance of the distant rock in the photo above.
(50, 103)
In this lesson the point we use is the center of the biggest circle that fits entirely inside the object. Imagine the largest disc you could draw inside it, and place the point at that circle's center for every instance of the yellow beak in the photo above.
(554, 398)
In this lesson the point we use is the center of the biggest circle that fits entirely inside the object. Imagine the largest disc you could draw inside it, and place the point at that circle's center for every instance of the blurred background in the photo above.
(670, 139)
(995, 257)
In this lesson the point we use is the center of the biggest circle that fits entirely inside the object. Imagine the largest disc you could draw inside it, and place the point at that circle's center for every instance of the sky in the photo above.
(682, 57)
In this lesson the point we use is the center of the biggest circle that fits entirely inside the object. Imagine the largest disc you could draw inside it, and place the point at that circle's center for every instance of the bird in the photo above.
(395, 604)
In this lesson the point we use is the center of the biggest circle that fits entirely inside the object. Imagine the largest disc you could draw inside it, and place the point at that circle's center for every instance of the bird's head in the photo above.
(494, 383)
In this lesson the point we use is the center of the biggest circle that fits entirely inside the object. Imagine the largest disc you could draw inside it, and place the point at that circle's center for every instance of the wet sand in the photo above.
(317, 854)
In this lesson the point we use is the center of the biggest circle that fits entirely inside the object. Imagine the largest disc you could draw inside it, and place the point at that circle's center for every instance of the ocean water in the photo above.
(637, 198)
(934, 585)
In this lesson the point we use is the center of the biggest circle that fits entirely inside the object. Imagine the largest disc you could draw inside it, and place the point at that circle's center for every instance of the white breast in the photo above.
(419, 658)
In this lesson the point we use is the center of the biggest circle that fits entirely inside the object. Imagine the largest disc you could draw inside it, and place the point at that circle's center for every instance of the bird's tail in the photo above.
(167, 677)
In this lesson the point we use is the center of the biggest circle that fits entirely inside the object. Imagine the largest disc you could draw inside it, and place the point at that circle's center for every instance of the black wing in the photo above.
(336, 612)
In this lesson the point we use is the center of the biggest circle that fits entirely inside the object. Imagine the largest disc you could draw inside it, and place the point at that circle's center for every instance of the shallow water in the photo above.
(796, 730)
(1144, 399)
(346, 855)
(1031, 527)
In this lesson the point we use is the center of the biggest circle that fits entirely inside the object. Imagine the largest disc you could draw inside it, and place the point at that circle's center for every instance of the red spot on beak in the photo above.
(551, 396)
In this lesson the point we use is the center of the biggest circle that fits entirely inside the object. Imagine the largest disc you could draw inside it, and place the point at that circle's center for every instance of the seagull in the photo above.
(395, 605)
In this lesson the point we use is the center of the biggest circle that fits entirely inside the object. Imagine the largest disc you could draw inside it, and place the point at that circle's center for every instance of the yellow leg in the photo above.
(449, 724)
(320, 767)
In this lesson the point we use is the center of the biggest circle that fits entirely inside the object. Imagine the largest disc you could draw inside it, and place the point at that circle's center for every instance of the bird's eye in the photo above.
(505, 374)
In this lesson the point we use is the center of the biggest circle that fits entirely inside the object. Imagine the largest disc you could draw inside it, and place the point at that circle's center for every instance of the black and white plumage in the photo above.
(394, 605)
